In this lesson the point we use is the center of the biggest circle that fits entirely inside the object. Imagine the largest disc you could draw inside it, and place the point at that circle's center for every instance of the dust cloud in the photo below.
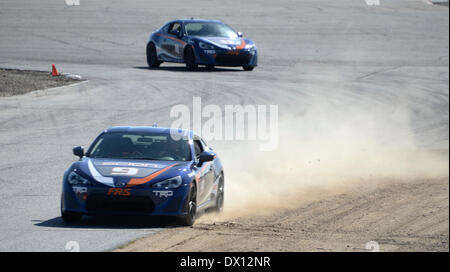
(323, 152)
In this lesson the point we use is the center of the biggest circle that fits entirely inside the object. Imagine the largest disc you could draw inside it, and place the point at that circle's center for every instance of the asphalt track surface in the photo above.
(375, 51)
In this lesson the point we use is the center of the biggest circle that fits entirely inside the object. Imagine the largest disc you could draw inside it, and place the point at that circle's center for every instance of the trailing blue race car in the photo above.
(143, 171)
(200, 42)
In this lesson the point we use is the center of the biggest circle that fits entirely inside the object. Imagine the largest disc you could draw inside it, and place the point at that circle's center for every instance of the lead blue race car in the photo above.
(200, 42)
(148, 171)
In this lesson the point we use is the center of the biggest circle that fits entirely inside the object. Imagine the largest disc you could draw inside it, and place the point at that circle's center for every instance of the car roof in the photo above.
(152, 129)
(197, 21)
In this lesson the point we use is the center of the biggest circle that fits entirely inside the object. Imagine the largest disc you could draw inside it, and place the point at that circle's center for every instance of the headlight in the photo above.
(76, 179)
(205, 46)
(171, 183)
(251, 48)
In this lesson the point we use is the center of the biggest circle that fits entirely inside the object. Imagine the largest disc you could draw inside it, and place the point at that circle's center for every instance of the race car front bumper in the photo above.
(224, 57)
(104, 200)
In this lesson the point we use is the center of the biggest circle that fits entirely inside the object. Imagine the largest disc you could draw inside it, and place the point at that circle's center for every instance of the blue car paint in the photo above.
(173, 205)
(225, 54)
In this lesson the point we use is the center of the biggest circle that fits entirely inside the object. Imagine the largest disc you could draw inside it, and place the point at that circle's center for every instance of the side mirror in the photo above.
(175, 33)
(78, 151)
(206, 156)
(240, 35)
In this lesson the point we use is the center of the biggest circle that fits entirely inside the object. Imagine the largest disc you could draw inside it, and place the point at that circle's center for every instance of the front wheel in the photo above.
(191, 208)
(69, 217)
(248, 68)
(189, 59)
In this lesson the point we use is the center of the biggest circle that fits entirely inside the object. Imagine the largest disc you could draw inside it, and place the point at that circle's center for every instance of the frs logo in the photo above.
(119, 192)
(233, 52)
(163, 193)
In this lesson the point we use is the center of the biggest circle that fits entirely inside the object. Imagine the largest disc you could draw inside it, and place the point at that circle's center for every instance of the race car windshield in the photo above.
(140, 146)
(209, 29)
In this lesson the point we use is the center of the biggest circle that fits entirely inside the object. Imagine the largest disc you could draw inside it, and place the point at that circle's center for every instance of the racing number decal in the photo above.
(124, 171)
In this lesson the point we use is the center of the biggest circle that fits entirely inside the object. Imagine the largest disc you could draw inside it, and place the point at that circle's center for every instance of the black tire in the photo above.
(191, 208)
(189, 59)
(248, 68)
(220, 195)
(209, 67)
(152, 59)
(69, 217)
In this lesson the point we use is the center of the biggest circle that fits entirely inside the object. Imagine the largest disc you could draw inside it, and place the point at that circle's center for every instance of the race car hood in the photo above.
(226, 43)
(135, 169)
(127, 173)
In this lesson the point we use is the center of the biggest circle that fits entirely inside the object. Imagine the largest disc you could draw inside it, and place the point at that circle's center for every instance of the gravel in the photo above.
(16, 82)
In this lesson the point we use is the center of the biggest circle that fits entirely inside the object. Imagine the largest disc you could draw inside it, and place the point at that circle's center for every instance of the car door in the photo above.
(210, 175)
(160, 40)
(172, 43)
(205, 174)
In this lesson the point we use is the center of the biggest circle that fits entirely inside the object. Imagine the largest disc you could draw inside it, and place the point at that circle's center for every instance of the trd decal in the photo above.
(119, 192)
(79, 190)
(163, 193)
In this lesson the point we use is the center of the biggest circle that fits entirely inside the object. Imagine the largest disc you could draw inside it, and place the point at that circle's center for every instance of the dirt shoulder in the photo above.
(16, 82)
(411, 216)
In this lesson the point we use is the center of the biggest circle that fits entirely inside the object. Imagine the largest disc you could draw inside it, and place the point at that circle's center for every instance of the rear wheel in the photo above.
(189, 59)
(152, 59)
(191, 208)
(220, 194)
(248, 68)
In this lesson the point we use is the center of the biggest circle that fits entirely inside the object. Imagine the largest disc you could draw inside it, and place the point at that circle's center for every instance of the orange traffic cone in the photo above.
(54, 71)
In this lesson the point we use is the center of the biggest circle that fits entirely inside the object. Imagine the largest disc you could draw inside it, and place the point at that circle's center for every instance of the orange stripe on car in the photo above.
(199, 174)
(139, 181)
(241, 46)
(238, 49)
(172, 38)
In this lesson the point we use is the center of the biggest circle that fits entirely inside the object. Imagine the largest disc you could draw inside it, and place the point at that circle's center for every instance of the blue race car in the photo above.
(200, 42)
(143, 171)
